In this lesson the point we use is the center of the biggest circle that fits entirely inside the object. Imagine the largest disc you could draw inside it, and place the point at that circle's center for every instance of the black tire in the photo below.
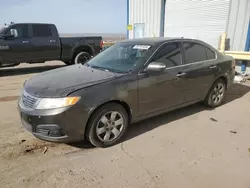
(81, 57)
(68, 62)
(216, 94)
(96, 124)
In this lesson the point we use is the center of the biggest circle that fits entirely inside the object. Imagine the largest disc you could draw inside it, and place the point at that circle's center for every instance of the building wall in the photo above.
(238, 24)
(205, 20)
(147, 12)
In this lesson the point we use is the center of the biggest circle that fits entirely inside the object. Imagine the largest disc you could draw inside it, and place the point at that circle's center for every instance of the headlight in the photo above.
(50, 103)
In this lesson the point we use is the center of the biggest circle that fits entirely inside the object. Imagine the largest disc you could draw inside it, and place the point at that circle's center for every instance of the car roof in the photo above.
(32, 23)
(149, 40)
(160, 40)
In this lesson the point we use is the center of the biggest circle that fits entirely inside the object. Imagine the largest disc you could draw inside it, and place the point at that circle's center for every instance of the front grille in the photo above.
(28, 100)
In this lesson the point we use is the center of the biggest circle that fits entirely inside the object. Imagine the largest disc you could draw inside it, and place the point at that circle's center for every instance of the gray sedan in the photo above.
(128, 82)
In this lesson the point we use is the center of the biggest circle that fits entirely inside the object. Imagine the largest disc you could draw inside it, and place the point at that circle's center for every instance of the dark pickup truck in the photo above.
(39, 42)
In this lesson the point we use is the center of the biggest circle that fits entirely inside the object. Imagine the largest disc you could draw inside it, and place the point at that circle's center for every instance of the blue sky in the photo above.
(70, 16)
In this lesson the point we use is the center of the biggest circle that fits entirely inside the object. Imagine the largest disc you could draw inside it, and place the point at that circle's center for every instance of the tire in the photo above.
(81, 57)
(109, 133)
(68, 62)
(216, 94)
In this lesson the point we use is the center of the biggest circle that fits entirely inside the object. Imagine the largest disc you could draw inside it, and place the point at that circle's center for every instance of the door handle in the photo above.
(52, 41)
(181, 74)
(213, 67)
(25, 41)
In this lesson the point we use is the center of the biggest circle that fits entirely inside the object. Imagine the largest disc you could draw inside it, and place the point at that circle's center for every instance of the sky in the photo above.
(70, 16)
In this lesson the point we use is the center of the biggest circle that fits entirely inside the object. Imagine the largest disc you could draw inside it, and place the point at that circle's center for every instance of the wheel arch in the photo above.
(224, 78)
(86, 48)
(122, 103)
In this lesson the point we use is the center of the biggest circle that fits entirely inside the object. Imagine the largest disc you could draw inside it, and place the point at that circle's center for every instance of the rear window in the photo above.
(210, 54)
(41, 30)
(194, 52)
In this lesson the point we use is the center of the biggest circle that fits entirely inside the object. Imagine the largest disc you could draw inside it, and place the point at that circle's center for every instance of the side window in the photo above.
(41, 30)
(194, 52)
(19, 31)
(210, 54)
(169, 54)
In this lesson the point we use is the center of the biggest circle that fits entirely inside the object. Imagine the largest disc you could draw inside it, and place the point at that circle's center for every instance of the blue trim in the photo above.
(127, 18)
(162, 19)
(247, 47)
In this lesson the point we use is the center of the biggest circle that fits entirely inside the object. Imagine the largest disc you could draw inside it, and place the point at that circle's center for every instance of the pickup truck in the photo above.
(40, 42)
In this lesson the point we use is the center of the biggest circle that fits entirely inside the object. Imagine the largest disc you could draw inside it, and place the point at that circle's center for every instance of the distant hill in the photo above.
(106, 36)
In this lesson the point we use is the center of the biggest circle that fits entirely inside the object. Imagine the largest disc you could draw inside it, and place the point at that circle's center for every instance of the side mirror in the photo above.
(7, 36)
(155, 67)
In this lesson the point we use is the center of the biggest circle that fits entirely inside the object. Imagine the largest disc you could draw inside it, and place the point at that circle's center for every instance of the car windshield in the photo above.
(121, 57)
(2, 28)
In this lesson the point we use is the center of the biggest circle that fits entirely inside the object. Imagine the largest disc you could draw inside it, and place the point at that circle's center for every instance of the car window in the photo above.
(169, 54)
(194, 52)
(19, 31)
(41, 30)
(210, 54)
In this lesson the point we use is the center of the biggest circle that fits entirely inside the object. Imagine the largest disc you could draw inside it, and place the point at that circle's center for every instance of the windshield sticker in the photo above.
(141, 47)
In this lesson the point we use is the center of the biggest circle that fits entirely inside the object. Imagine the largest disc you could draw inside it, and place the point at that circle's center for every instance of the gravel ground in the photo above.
(192, 147)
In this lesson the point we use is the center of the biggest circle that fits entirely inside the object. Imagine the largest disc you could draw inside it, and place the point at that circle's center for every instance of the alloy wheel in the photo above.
(218, 93)
(110, 126)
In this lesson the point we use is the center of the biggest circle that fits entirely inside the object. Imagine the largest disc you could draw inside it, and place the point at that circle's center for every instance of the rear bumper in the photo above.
(230, 78)
(58, 125)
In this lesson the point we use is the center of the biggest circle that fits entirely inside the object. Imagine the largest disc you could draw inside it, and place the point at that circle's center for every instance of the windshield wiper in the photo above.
(100, 68)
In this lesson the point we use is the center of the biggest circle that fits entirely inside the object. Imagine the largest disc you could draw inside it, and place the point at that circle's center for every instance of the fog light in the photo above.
(50, 130)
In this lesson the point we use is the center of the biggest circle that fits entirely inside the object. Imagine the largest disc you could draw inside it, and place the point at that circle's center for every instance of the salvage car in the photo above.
(128, 82)
(40, 42)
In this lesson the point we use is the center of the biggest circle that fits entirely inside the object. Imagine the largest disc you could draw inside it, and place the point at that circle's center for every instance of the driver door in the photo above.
(19, 47)
(162, 90)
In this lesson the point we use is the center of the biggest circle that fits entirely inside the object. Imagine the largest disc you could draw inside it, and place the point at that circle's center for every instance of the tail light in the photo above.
(101, 44)
(233, 64)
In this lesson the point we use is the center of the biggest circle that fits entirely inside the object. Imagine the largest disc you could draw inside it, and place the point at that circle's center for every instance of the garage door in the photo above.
(200, 19)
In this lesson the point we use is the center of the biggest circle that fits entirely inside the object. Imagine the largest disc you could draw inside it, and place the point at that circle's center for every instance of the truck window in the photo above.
(41, 30)
(19, 31)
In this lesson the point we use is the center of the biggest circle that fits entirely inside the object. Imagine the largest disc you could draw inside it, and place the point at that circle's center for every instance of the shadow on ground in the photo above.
(14, 71)
(235, 92)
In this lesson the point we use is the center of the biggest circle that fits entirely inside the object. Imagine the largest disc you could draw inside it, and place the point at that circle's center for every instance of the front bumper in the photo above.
(56, 125)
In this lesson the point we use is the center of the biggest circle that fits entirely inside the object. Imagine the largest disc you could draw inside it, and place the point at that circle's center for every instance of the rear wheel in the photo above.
(107, 125)
(82, 57)
(216, 94)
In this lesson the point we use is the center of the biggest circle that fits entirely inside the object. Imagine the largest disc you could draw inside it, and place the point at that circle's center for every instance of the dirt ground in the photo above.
(192, 147)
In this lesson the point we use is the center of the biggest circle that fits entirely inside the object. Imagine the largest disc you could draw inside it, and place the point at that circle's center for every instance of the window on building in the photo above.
(194, 52)
(41, 30)
(169, 54)
(19, 31)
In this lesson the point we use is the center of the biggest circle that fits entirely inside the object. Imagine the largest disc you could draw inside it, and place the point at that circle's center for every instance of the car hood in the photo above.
(61, 82)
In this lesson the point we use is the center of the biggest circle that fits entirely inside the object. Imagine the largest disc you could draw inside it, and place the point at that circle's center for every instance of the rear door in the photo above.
(46, 42)
(160, 91)
(18, 48)
(200, 70)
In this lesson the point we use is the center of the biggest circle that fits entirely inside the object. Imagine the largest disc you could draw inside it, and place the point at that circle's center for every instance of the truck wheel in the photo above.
(216, 94)
(107, 125)
(82, 57)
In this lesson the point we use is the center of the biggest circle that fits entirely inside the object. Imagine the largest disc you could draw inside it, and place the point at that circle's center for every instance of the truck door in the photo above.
(16, 48)
(46, 44)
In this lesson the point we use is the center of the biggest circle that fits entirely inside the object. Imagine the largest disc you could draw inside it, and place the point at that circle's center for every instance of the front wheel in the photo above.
(216, 94)
(107, 125)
